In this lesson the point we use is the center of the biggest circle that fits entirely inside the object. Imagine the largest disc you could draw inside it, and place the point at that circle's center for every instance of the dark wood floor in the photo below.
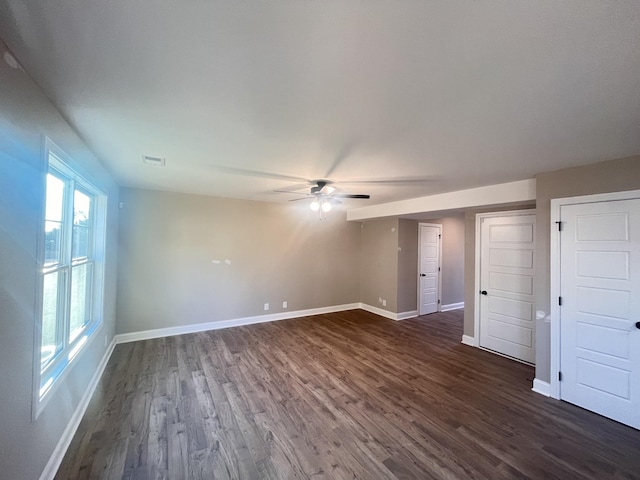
(345, 395)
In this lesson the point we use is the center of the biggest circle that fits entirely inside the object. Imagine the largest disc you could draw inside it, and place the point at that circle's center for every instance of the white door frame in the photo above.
(439, 282)
(476, 290)
(556, 205)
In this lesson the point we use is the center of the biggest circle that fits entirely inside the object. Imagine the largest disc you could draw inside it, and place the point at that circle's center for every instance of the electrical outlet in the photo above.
(284, 304)
(384, 303)
(266, 306)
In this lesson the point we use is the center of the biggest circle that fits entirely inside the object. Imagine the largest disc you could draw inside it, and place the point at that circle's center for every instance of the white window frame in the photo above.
(46, 380)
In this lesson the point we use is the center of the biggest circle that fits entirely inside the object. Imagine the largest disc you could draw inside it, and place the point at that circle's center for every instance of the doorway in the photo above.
(429, 267)
(596, 338)
(505, 320)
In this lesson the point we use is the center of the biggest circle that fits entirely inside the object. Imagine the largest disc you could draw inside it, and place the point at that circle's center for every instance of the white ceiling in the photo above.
(461, 92)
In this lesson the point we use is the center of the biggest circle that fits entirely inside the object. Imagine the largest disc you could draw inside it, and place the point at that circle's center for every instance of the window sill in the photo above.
(62, 369)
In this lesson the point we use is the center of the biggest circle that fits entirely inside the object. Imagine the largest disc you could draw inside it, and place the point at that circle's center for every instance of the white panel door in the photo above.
(507, 263)
(600, 292)
(429, 270)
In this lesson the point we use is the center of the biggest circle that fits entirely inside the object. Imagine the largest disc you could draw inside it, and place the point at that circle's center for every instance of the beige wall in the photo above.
(278, 253)
(453, 228)
(407, 265)
(25, 116)
(380, 243)
(611, 176)
(379, 263)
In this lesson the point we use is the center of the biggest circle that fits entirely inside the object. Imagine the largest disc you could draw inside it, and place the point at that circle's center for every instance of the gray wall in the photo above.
(453, 228)
(407, 265)
(393, 243)
(278, 253)
(611, 176)
(25, 116)
(379, 263)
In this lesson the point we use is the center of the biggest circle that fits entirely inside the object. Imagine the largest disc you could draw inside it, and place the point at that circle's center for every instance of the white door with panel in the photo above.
(507, 265)
(429, 269)
(600, 308)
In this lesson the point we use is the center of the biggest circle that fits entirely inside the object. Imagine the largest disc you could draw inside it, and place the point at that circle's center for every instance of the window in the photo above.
(72, 267)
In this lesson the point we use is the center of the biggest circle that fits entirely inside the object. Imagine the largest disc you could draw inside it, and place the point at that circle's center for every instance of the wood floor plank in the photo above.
(348, 395)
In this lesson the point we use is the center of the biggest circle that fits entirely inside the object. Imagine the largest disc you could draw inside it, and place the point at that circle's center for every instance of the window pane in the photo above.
(80, 298)
(81, 208)
(80, 242)
(55, 197)
(49, 316)
(52, 239)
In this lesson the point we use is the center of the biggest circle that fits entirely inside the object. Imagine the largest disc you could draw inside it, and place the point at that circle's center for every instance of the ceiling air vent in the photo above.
(150, 160)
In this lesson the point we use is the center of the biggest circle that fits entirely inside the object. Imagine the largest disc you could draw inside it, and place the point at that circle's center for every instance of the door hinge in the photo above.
(559, 226)
(559, 376)
(560, 301)
(439, 235)
(438, 268)
(438, 300)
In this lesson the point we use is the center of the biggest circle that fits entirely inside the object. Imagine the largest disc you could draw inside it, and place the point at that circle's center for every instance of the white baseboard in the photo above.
(387, 313)
(467, 340)
(236, 322)
(51, 468)
(452, 306)
(406, 315)
(378, 311)
(543, 388)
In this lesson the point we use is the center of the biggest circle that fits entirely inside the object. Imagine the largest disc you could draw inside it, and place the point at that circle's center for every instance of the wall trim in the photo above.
(452, 306)
(467, 340)
(387, 313)
(512, 192)
(406, 315)
(379, 311)
(236, 322)
(51, 468)
(543, 388)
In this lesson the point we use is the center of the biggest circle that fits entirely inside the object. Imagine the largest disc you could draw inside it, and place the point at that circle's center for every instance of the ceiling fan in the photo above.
(323, 194)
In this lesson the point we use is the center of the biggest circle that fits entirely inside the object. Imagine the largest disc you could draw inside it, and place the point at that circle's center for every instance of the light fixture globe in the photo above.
(326, 206)
(315, 205)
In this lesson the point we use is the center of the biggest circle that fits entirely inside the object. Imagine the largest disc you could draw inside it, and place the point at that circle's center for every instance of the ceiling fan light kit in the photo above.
(323, 196)
(320, 205)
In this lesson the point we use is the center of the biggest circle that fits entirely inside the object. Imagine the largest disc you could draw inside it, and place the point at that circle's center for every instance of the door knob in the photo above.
(422, 275)
(638, 325)
(483, 292)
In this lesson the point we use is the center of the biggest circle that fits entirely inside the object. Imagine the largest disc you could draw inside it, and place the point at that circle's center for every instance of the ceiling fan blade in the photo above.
(290, 192)
(294, 188)
(346, 195)
(257, 173)
(390, 181)
(342, 154)
(298, 199)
